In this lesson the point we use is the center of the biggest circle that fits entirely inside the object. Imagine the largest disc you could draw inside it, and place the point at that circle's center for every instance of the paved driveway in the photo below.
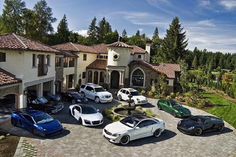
(86, 141)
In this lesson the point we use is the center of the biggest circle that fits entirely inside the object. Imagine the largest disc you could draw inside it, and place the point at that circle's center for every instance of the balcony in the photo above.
(42, 69)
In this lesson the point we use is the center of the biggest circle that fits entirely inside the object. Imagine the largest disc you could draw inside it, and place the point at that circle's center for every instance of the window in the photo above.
(66, 62)
(58, 61)
(84, 57)
(89, 88)
(84, 75)
(124, 91)
(115, 57)
(71, 62)
(139, 56)
(34, 60)
(2, 57)
(101, 77)
(29, 118)
(82, 86)
(90, 76)
(138, 78)
(48, 60)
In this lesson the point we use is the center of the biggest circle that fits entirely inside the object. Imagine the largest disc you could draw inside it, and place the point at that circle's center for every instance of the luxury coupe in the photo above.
(36, 122)
(132, 128)
(86, 115)
(173, 108)
(137, 98)
(74, 97)
(196, 125)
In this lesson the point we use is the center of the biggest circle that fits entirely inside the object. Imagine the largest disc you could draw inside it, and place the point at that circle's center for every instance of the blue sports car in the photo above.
(36, 122)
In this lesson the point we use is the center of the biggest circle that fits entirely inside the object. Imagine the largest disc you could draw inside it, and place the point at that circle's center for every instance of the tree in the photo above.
(124, 34)
(29, 23)
(195, 62)
(137, 33)
(3, 28)
(44, 19)
(93, 31)
(63, 32)
(174, 44)
(103, 29)
(111, 37)
(155, 34)
(12, 16)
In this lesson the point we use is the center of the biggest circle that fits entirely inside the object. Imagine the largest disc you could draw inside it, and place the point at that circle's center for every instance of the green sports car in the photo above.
(173, 108)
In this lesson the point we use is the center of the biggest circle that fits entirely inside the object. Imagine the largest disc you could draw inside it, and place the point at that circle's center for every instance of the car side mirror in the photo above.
(98, 110)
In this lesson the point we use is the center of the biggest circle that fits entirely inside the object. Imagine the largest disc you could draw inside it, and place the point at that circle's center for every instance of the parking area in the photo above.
(83, 141)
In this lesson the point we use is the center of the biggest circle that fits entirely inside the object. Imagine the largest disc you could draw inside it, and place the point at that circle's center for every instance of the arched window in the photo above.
(90, 76)
(101, 77)
(138, 78)
(95, 80)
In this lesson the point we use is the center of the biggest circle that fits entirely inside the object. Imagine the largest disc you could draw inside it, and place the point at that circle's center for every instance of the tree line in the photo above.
(37, 23)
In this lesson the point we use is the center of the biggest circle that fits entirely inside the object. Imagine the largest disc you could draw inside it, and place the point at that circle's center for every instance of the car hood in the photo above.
(103, 93)
(187, 123)
(117, 127)
(182, 110)
(51, 126)
(140, 97)
(92, 117)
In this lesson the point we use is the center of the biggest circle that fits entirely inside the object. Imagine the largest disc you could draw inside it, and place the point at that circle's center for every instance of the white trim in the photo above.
(144, 77)
(20, 41)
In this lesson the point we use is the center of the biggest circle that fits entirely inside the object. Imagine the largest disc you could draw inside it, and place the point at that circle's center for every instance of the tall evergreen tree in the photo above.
(124, 34)
(103, 28)
(174, 44)
(155, 34)
(63, 32)
(195, 62)
(137, 33)
(29, 23)
(3, 28)
(12, 16)
(93, 31)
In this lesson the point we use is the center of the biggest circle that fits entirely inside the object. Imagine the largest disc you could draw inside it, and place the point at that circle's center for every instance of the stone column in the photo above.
(21, 98)
(40, 90)
(98, 76)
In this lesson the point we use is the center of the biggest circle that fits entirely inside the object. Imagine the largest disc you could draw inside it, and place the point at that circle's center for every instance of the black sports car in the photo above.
(43, 104)
(196, 125)
(74, 97)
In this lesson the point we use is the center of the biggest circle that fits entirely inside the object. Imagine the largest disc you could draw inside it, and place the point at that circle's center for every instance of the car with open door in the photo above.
(137, 98)
(132, 128)
(37, 122)
(86, 115)
(174, 108)
(197, 125)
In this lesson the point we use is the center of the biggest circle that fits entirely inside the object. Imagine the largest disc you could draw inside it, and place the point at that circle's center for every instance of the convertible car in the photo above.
(173, 108)
(36, 122)
(87, 115)
(132, 128)
(44, 105)
(196, 125)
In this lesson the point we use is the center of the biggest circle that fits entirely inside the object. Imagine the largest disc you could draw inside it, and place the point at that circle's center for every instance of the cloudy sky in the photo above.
(209, 24)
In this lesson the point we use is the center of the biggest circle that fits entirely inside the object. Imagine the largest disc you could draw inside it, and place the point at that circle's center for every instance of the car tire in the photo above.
(73, 101)
(157, 133)
(198, 131)
(97, 100)
(124, 140)
(119, 97)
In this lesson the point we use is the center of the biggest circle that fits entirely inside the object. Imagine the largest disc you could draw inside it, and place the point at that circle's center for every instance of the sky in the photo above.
(209, 24)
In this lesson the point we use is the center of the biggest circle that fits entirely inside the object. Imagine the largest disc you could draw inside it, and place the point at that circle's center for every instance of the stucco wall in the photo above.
(124, 56)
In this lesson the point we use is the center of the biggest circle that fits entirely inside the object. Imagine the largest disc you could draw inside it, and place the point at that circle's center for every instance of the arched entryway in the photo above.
(137, 77)
(95, 80)
(115, 79)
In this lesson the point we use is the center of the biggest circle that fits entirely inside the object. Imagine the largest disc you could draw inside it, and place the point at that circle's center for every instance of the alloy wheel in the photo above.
(198, 131)
(124, 140)
(157, 133)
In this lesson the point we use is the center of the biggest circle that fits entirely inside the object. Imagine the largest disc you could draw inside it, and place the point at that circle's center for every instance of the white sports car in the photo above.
(123, 94)
(132, 128)
(87, 115)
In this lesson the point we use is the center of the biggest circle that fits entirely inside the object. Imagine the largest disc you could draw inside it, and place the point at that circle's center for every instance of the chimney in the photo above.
(148, 49)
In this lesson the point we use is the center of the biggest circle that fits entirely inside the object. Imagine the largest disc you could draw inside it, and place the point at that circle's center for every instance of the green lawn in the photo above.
(223, 108)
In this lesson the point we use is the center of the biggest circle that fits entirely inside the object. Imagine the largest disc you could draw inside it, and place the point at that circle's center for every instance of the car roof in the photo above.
(93, 85)
(29, 112)
(129, 89)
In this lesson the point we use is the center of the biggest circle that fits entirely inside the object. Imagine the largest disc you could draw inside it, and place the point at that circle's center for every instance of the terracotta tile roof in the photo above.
(101, 48)
(120, 44)
(138, 50)
(73, 47)
(98, 64)
(7, 78)
(16, 42)
(167, 69)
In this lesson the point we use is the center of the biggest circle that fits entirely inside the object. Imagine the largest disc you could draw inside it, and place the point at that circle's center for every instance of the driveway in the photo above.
(86, 141)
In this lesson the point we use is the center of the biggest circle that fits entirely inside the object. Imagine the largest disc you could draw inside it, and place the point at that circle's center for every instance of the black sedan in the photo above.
(74, 97)
(43, 104)
(196, 125)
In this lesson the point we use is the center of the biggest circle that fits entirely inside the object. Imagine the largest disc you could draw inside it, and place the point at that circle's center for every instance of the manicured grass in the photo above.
(222, 108)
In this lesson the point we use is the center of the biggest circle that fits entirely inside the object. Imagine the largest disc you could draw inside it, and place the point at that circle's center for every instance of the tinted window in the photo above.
(77, 108)
(82, 86)
(136, 93)
(28, 118)
(100, 89)
(89, 88)
(124, 91)
(129, 121)
(88, 110)
(42, 118)
(127, 92)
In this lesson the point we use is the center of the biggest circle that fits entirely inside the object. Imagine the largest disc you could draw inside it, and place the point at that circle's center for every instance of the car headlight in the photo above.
(103, 96)
(116, 135)
(87, 121)
(192, 127)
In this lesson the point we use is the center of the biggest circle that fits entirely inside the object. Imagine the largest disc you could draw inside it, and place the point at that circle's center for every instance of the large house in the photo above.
(25, 65)
(118, 65)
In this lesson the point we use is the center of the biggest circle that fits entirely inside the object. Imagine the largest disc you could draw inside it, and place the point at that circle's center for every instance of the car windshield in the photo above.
(130, 122)
(42, 100)
(42, 118)
(136, 93)
(88, 110)
(197, 119)
(100, 89)
(174, 103)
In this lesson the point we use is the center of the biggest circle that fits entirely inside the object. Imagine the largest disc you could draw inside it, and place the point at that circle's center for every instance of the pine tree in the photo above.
(174, 44)
(93, 31)
(137, 33)
(103, 29)
(195, 62)
(12, 16)
(63, 32)
(155, 34)
(124, 34)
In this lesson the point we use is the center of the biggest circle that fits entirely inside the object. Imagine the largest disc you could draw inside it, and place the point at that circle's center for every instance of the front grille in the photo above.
(96, 122)
(107, 132)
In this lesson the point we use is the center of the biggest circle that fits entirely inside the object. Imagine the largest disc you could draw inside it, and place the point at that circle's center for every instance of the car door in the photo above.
(28, 122)
(165, 105)
(142, 129)
(126, 95)
(88, 91)
(77, 112)
(207, 124)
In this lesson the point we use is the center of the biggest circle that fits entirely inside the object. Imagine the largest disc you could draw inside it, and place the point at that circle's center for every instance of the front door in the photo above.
(115, 79)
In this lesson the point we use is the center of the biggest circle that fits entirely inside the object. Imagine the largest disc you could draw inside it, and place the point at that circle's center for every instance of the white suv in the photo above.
(123, 94)
(96, 93)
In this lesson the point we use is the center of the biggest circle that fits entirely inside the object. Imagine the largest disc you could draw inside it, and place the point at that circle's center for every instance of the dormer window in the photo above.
(2, 57)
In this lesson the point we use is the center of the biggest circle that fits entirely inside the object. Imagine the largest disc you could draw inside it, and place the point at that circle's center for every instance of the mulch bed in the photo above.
(8, 145)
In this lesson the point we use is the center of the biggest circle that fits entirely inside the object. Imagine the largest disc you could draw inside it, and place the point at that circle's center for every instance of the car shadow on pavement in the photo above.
(214, 133)
(167, 134)
(148, 105)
